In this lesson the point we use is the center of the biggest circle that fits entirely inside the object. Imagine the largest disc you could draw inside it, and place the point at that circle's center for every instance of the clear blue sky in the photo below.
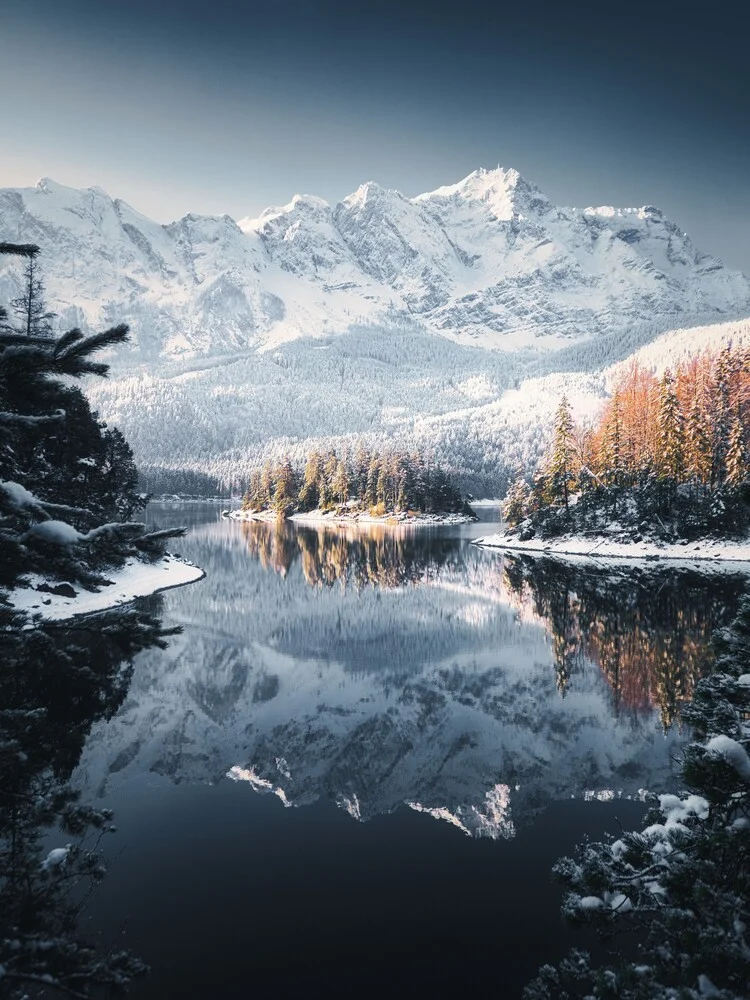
(230, 107)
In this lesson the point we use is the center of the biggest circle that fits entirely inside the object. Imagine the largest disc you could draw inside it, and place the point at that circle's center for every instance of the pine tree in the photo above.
(698, 443)
(516, 503)
(285, 489)
(722, 417)
(373, 478)
(267, 486)
(340, 483)
(611, 452)
(34, 319)
(736, 471)
(671, 431)
(560, 471)
(309, 497)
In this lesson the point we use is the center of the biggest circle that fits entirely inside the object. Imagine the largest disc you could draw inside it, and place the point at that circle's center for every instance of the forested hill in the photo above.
(669, 458)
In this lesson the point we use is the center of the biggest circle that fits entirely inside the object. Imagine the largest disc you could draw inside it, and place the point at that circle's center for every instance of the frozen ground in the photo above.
(604, 548)
(134, 579)
(319, 517)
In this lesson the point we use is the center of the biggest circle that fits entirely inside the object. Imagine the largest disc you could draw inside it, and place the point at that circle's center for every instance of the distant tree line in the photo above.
(394, 482)
(668, 455)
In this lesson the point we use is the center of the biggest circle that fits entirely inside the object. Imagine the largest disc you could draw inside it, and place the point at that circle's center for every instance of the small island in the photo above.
(663, 474)
(394, 488)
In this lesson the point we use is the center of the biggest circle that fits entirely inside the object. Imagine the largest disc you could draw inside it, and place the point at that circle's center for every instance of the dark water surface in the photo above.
(356, 766)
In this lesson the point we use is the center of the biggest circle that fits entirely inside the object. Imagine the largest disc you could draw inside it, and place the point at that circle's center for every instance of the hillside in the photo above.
(471, 409)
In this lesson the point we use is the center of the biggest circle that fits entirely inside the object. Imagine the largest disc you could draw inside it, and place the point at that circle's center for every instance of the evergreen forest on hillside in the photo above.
(397, 482)
(667, 459)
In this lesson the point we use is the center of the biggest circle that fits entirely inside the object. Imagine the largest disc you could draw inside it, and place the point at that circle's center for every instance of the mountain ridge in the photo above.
(488, 261)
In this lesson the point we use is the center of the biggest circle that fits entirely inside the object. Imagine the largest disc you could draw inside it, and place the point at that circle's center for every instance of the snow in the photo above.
(591, 903)
(487, 261)
(706, 988)
(733, 753)
(56, 857)
(55, 532)
(134, 579)
(676, 810)
(603, 548)
(744, 680)
(258, 783)
(18, 495)
(330, 517)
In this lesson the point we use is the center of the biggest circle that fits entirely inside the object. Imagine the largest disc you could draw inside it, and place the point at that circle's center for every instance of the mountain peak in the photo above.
(309, 204)
(46, 185)
(367, 192)
(505, 192)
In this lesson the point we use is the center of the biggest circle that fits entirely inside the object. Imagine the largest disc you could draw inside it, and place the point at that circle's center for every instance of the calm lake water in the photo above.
(357, 764)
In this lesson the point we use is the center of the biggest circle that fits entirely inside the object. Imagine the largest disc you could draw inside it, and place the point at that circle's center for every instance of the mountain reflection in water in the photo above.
(376, 668)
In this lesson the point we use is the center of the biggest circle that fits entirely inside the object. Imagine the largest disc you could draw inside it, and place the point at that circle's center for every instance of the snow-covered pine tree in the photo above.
(698, 443)
(285, 489)
(736, 461)
(612, 445)
(721, 417)
(40, 529)
(309, 495)
(560, 471)
(671, 431)
(516, 503)
(340, 483)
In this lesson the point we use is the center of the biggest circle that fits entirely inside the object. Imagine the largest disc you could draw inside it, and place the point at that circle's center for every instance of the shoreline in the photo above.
(703, 550)
(134, 579)
(347, 520)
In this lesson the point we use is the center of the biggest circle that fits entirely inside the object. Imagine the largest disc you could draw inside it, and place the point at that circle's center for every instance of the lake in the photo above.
(357, 764)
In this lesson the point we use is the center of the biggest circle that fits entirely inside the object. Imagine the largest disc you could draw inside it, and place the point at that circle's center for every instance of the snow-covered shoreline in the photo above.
(389, 520)
(703, 550)
(134, 579)
(177, 498)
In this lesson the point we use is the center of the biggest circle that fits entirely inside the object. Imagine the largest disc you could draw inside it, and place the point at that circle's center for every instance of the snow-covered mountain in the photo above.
(488, 261)
(452, 321)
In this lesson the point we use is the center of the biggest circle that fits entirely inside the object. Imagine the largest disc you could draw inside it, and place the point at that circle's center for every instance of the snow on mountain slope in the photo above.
(488, 261)
(471, 409)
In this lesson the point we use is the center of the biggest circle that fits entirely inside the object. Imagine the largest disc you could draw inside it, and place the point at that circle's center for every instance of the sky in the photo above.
(213, 107)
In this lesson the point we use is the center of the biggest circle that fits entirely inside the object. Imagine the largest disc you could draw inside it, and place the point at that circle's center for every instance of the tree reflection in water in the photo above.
(56, 680)
(357, 556)
(648, 629)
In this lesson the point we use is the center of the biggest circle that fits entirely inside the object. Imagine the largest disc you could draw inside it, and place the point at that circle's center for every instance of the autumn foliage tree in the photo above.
(670, 448)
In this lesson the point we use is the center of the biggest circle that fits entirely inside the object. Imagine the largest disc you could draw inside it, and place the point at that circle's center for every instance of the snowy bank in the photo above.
(604, 548)
(134, 579)
(329, 517)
